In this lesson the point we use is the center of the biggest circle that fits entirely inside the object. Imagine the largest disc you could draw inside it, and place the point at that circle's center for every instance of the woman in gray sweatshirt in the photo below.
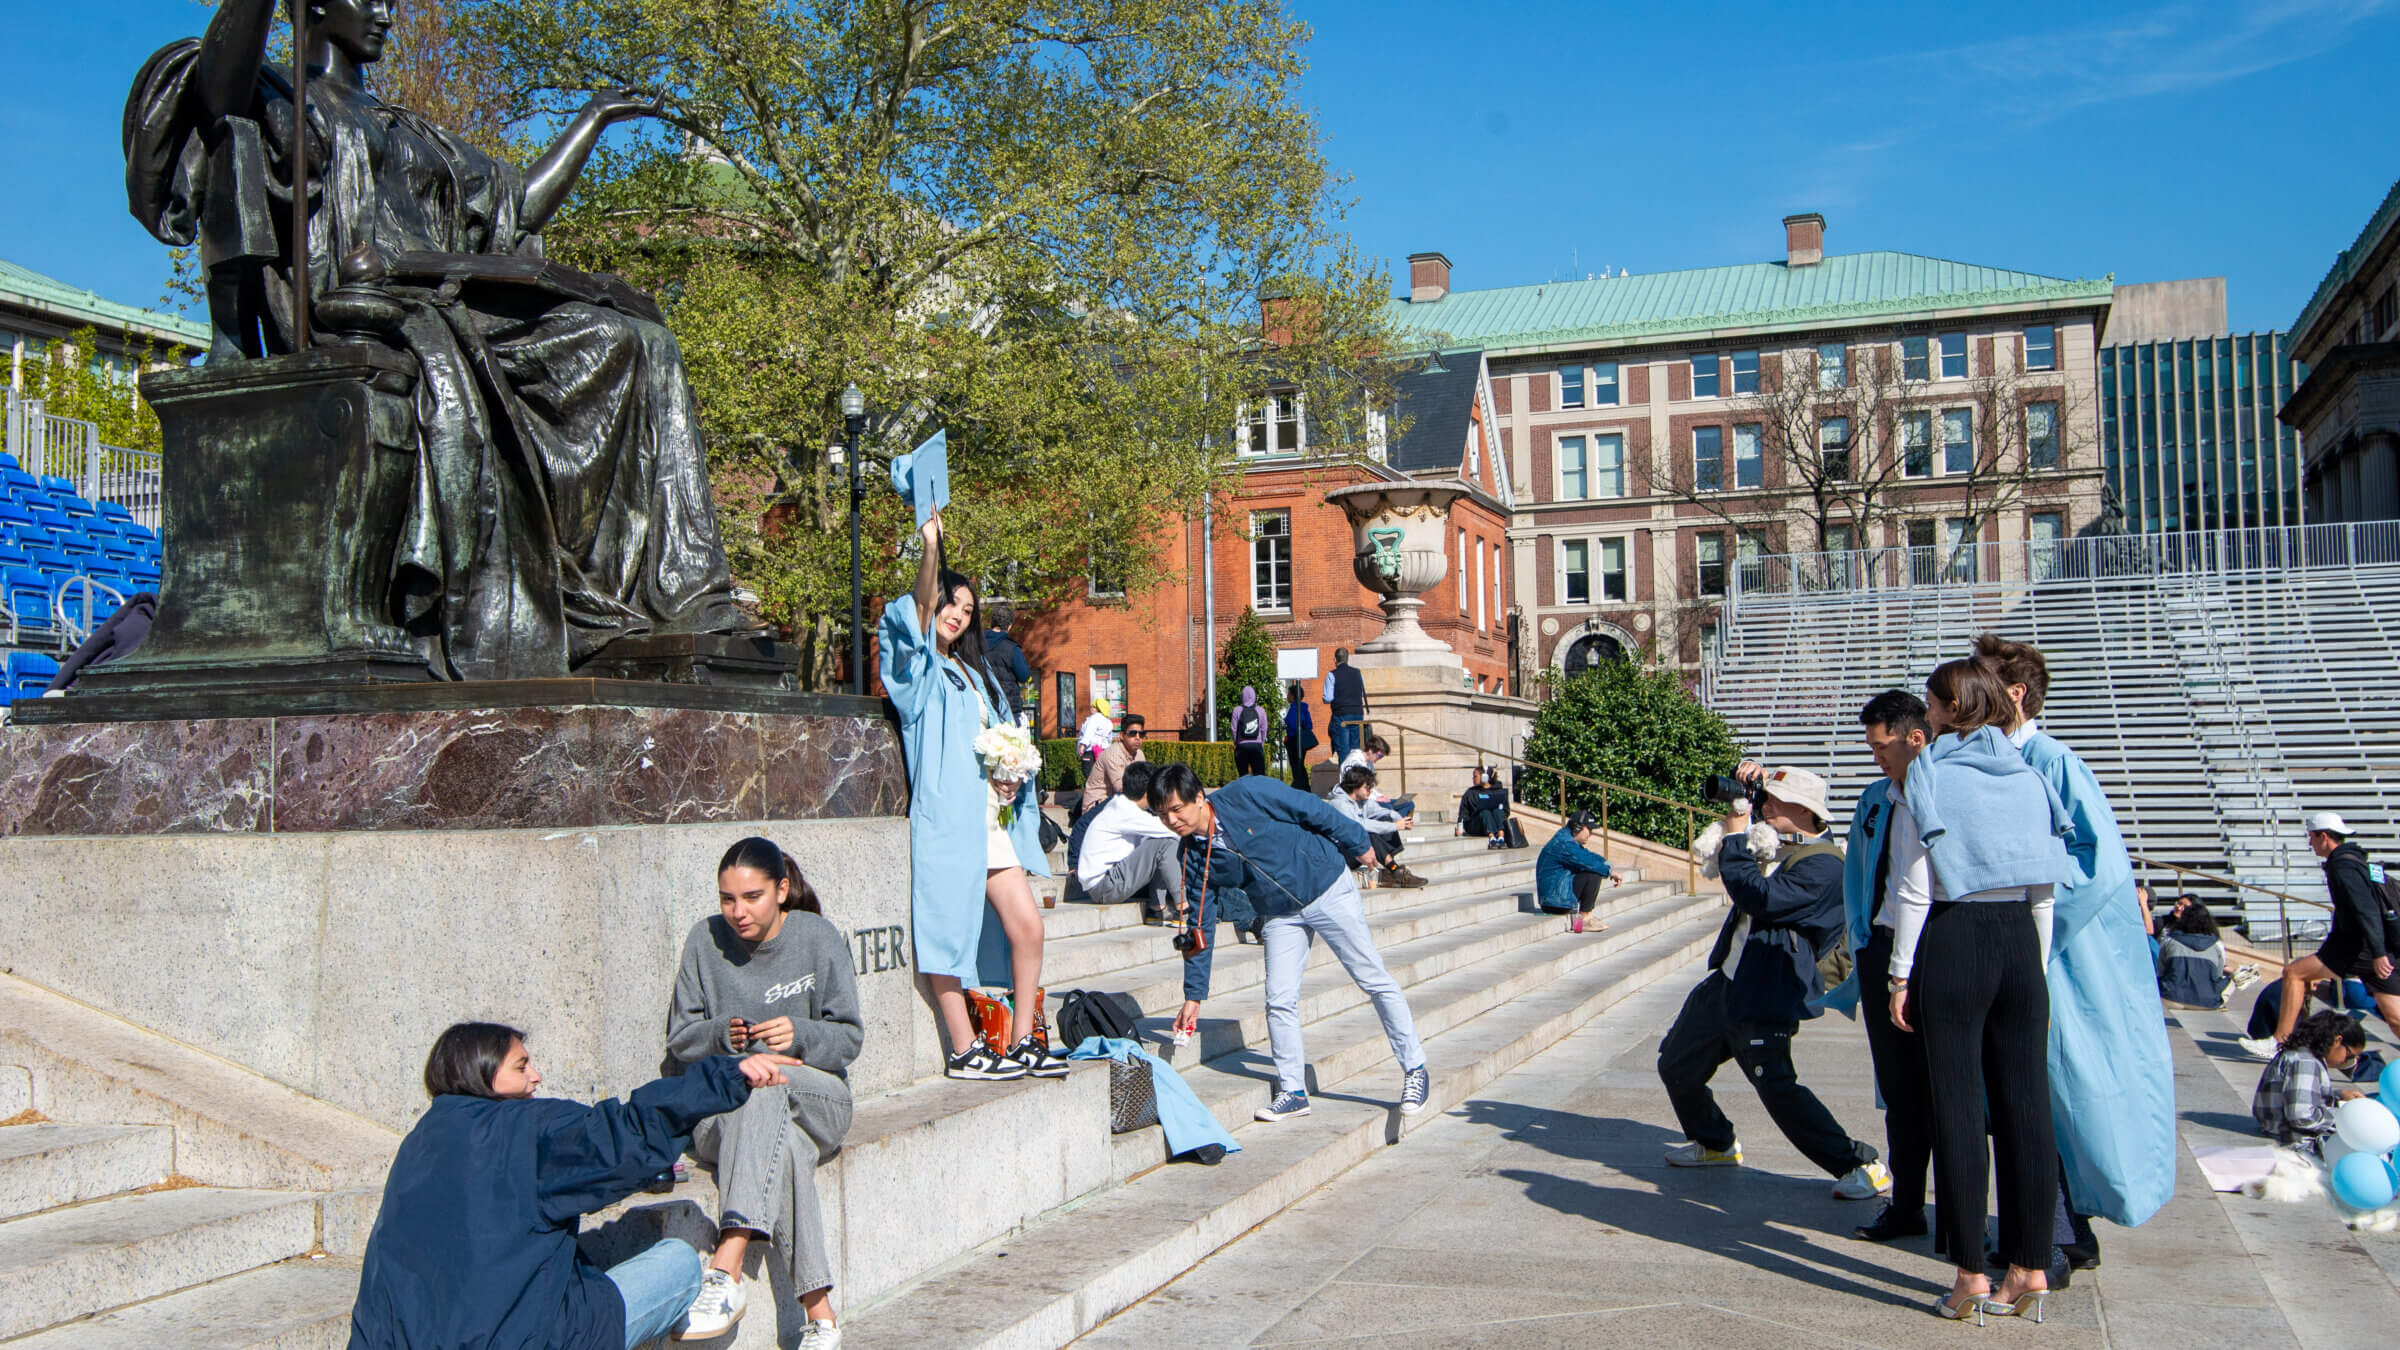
(768, 973)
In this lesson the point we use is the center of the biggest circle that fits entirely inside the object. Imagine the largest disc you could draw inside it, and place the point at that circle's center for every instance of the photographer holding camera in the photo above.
(1784, 877)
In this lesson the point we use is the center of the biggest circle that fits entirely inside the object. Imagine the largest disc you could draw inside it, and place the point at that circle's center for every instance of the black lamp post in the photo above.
(854, 415)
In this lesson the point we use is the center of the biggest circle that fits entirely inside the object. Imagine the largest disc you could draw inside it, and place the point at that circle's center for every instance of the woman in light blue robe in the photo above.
(971, 908)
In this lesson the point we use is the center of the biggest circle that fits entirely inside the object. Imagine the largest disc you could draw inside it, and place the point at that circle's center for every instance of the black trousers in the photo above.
(1981, 1002)
(1704, 1037)
(1900, 1077)
(1249, 759)
(1291, 758)
(1587, 890)
(1387, 846)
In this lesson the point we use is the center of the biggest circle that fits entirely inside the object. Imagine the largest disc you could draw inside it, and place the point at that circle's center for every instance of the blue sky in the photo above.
(1532, 141)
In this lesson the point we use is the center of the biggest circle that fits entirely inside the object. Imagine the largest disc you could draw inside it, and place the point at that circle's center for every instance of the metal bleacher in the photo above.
(2221, 684)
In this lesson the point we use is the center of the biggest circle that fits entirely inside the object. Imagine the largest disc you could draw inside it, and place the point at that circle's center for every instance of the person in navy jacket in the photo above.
(474, 1248)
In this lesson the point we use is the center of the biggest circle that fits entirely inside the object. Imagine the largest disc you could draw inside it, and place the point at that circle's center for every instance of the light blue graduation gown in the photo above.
(942, 710)
(2112, 1076)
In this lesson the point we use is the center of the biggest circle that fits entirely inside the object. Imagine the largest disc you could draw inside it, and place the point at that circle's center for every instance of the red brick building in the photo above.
(1280, 549)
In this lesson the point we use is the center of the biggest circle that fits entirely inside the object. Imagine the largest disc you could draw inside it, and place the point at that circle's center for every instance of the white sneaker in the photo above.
(1691, 1153)
(1864, 1183)
(820, 1336)
(721, 1304)
(2265, 1047)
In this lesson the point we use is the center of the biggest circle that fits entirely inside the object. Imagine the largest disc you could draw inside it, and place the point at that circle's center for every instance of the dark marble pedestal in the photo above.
(560, 754)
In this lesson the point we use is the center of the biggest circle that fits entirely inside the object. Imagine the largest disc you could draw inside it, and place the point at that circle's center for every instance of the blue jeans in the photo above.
(1339, 916)
(1345, 735)
(658, 1287)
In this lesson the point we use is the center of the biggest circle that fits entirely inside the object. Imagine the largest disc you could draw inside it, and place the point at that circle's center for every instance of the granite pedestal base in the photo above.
(315, 896)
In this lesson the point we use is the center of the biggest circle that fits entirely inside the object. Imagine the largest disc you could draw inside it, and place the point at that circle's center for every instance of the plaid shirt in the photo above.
(2295, 1100)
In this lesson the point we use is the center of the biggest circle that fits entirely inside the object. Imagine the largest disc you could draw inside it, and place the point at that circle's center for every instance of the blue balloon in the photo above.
(2363, 1181)
(2388, 1086)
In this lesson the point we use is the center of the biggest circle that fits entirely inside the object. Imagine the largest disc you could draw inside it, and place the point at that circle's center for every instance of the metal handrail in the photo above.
(1691, 813)
(2284, 899)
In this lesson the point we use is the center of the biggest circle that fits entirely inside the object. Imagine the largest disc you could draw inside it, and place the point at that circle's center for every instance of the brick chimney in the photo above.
(1284, 314)
(1803, 240)
(1428, 277)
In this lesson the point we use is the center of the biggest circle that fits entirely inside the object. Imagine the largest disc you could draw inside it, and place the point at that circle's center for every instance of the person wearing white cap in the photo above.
(1785, 881)
(2357, 945)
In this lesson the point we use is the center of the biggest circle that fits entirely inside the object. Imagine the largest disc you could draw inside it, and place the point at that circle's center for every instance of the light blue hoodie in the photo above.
(1987, 820)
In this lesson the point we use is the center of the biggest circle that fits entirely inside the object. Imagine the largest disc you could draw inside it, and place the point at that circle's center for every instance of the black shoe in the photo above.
(1157, 916)
(1892, 1223)
(1038, 1059)
(978, 1064)
(1207, 1155)
(2080, 1257)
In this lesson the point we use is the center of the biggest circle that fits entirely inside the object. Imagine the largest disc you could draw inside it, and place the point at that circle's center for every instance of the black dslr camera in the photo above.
(1724, 789)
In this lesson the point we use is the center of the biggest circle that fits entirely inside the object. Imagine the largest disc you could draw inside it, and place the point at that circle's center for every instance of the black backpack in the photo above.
(1085, 1013)
(2387, 894)
(1247, 723)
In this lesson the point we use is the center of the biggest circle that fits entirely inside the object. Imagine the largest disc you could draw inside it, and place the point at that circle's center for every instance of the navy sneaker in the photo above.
(1415, 1086)
(1285, 1106)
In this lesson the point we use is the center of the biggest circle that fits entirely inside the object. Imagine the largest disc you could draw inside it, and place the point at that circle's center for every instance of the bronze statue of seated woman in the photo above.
(559, 500)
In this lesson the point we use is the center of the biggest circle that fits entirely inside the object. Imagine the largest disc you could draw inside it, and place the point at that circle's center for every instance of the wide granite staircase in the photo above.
(170, 1199)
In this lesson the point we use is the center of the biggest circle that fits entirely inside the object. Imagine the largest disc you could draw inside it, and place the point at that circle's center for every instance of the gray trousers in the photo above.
(766, 1153)
(1154, 867)
(1340, 917)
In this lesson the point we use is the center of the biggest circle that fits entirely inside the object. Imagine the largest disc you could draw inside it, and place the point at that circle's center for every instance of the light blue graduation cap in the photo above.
(923, 475)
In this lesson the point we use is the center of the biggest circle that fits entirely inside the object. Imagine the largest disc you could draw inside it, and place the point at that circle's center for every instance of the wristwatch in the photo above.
(1896, 983)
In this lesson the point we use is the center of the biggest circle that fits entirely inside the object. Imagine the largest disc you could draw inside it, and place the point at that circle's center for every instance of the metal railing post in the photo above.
(1402, 733)
(1604, 820)
(91, 461)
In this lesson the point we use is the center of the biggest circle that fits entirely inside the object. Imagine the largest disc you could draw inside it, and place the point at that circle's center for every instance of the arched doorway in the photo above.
(1588, 644)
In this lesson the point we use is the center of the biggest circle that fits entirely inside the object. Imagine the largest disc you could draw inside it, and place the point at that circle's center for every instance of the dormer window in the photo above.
(1274, 426)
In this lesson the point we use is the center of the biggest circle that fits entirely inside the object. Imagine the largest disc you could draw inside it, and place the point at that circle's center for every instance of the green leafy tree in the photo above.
(1635, 726)
(73, 379)
(1040, 225)
(1247, 657)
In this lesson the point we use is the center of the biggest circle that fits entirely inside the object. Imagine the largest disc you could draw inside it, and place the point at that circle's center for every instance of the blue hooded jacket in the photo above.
(1555, 867)
(475, 1246)
(2018, 821)
(1283, 847)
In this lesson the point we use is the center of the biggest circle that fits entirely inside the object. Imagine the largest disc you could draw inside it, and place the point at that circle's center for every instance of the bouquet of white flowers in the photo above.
(1009, 755)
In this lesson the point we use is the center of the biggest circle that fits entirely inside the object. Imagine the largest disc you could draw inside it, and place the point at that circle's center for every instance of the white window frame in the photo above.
(1848, 450)
(1941, 356)
(1615, 384)
(1758, 455)
(1461, 588)
(1582, 472)
(1250, 416)
(1838, 368)
(1716, 375)
(1733, 369)
(2051, 346)
(1700, 565)
(1593, 470)
(1695, 456)
(1942, 460)
(1624, 547)
(1925, 360)
(1578, 384)
(1567, 571)
(1482, 613)
(1916, 418)
(2057, 452)
(1259, 538)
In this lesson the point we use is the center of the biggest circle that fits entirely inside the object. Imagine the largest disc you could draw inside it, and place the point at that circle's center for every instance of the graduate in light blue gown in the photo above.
(2112, 1073)
(970, 906)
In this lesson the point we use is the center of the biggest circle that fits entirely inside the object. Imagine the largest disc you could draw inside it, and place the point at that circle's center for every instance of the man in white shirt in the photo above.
(1355, 798)
(1128, 852)
(1370, 757)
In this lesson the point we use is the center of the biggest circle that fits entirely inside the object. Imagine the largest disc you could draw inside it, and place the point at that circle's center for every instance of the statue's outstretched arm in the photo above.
(230, 55)
(553, 175)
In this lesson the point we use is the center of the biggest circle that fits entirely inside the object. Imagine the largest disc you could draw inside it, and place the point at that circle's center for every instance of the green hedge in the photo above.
(1212, 760)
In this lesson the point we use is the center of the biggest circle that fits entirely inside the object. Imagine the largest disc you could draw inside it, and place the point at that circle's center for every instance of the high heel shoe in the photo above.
(1957, 1312)
(2033, 1299)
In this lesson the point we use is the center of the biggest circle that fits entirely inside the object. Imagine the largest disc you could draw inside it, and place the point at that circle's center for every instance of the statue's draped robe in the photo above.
(561, 497)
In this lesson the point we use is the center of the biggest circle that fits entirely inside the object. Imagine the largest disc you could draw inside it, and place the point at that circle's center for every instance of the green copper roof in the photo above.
(76, 307)
(1845, 287)
(2346, 266)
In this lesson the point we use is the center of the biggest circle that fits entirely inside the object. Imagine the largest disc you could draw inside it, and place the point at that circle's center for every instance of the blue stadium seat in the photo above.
(115, 511)
(29, 673)
(57, 484)
(76, 544)
(75, 508)
(9, 461)
(50, 560)
(51, 518)
(13, 510)
(27, 596)
(115, 549)
(18, 482)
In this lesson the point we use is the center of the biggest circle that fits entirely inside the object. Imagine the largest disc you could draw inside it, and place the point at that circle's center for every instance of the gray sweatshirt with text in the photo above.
(802, 973)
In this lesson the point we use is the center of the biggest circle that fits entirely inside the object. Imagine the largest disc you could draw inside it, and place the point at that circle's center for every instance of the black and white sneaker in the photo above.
(1039, 1059)
(1415, 1086)
(1285, 1106)
(981, 1065)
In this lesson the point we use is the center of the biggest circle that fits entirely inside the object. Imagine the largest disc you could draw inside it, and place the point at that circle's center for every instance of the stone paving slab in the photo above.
(1540, 1213)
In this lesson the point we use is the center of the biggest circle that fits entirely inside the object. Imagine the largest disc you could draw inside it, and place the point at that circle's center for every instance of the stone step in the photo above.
(293, 1305)
(1065, 1275)
(69, 1263)
(45, 1166)
(16, 1091)
(233, 1127)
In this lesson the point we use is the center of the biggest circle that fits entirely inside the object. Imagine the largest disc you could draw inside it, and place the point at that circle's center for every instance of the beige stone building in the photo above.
(2347, 410)
(1675, 436)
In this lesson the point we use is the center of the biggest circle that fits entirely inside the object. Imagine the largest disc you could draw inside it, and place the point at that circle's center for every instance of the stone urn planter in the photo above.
(1398, 534)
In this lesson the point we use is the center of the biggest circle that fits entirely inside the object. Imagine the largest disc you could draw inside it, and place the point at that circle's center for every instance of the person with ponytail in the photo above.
(972, 839)
(768, 972)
